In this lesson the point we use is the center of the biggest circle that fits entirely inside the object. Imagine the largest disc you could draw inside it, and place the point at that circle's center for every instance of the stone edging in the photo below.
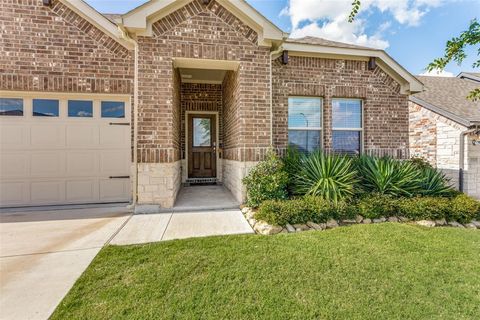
(262, 227)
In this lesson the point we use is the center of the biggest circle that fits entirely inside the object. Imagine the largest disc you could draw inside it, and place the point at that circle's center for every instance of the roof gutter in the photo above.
(126, 37)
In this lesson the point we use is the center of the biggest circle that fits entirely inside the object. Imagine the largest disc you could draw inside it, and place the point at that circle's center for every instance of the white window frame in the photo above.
(307, 128)
(351, 129)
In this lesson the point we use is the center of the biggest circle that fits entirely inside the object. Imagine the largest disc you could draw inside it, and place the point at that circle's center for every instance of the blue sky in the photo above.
(413, 32)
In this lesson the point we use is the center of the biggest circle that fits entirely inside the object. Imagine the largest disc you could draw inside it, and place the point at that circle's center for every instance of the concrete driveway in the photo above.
(42, 253)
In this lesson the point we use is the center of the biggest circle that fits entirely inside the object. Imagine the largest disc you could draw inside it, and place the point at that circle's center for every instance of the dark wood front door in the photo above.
(202, 146)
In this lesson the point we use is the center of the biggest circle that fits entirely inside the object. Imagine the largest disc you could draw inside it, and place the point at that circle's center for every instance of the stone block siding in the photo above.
(53, 49)
(385, 108)
(159, 183)
(201, 97)
(233, 173)
(204, 32)
(437, 139)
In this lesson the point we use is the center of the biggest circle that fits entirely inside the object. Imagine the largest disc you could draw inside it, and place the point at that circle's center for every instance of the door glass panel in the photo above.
(11, 107)
(201, 132)
(80, 108)
(45, 108)
(113, 109)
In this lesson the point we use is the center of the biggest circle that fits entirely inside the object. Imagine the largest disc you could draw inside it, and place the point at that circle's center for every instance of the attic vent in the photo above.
(372, 64)
(205, 2)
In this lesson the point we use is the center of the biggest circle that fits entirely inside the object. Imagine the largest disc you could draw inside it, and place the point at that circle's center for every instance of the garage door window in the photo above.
(80, 108)
(11, 107)
(113, 109)
(45, 108)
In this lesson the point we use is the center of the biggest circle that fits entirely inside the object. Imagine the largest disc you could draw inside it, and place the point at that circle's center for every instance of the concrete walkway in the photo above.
(197, 198)
(144, 228)
(42, 254)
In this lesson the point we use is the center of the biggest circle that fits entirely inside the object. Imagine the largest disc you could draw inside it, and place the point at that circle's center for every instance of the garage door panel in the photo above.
(82, 163)
(114, 189)
(45, 192)
(13, 165)
(47, 164)
(81, 136)
(81, 190)
(64, 159)
(47, 136)
(114, 136)
(13, 193)
(116, 162)
(12, 136)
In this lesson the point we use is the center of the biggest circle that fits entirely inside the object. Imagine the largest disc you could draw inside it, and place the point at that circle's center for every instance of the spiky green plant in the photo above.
(331, 177)
(292, 164)
(388, 176)
(434, 183)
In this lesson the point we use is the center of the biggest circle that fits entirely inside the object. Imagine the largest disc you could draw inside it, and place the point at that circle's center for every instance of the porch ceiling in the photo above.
(189, 75)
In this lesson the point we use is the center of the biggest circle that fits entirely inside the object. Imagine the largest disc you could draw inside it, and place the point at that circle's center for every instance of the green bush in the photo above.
(375, 206)
(387, 176)
(302, 210)
(331, 177)
(433, 182)
(291, 161)
(281, 212)
(420, 163)
(424, 208)
(266, 181)
(463, 209)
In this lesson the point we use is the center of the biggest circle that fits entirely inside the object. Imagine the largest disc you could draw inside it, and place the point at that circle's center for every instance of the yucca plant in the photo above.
(331, 177)
(434, 183)
(388, 176)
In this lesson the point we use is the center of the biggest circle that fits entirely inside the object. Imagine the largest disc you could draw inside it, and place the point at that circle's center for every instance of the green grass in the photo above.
(381, 271)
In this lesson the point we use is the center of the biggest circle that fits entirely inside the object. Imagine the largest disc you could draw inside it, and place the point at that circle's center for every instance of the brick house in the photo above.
(97, 108)
(443, 122)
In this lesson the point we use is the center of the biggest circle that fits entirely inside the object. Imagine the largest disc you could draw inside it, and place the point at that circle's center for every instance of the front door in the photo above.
(202, 146)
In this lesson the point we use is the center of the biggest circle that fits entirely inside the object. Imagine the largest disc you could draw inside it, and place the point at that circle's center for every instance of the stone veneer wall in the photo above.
(159, 183)
(437, 139)
(385, 108)
(233, 173)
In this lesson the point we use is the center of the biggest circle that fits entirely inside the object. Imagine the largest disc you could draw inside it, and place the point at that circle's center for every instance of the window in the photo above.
(45, 108)
(347, 126)
(113, 109)
(80, 108)
(305, 123)
(11, 107)
(201, 132)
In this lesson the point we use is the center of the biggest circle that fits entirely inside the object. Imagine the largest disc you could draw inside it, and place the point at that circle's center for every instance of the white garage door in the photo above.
(64, 149)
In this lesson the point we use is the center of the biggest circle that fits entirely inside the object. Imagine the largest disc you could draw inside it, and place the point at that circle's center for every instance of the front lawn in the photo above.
(380, 271)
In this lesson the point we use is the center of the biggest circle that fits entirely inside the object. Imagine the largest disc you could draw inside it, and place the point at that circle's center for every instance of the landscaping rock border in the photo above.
(262, 227)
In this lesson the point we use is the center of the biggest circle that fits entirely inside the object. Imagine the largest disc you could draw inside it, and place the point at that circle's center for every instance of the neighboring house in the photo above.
(443, 122)
(204, 87)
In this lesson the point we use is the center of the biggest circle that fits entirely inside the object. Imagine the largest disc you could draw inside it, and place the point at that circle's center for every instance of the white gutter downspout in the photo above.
(462, 157)
(272, 53)
(125, 36)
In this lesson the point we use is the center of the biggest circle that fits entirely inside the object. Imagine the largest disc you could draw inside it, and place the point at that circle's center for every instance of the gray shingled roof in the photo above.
(325, 42)
(448, 96)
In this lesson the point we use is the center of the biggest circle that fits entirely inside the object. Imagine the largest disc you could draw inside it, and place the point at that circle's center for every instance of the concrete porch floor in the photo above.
(209, 197)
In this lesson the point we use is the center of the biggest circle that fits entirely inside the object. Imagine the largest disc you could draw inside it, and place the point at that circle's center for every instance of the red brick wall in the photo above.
(53, 49)
(201, 97)
(385, 109)
(204, 32)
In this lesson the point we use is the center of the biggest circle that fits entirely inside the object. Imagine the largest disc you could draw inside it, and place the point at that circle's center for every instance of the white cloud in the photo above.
(438, 73)
(328, 18)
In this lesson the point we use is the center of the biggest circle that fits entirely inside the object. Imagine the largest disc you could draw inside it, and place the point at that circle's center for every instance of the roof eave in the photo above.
(451, 116)
(410, 84)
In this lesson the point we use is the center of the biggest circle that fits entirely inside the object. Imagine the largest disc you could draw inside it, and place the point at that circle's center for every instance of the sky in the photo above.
(413, 32)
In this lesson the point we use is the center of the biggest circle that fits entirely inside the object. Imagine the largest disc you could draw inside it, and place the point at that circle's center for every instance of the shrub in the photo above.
(281, 212)
(433, 183)
(291, 161)
(424, 208)
(377, 205)
(387, 176)
(420, 162)
(302, 210)
(463, 209)
(331, 177)
(266, 181)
